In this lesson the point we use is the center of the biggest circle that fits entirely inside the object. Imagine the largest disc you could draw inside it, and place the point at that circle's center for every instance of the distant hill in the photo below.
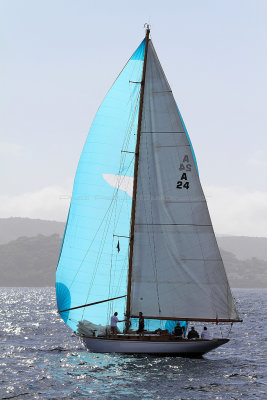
(251, 273)
(244, 247)
(13, 228)
(32, 262)
(29, 251)
(29, 261)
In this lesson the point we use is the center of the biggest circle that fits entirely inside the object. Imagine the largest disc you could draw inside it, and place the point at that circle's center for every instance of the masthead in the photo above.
(147, 27)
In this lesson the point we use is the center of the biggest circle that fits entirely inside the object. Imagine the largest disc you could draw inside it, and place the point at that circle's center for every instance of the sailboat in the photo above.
(138, 236)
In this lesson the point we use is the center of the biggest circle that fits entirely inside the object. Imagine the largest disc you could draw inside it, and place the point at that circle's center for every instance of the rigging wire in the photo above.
(116, 216)
(114, 207)
(100, 225)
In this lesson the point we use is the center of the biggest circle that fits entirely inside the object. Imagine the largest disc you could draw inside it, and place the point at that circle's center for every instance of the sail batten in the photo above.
(177, 266)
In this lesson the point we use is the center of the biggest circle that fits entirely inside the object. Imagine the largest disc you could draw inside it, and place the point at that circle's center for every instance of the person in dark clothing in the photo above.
(192, 334)
(141, 326)
(178, 331)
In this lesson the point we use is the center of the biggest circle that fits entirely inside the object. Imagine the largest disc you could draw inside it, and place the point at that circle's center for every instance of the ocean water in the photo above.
(41, 359)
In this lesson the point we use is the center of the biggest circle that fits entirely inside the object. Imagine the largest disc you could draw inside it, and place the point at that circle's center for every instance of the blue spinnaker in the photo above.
(90, 268)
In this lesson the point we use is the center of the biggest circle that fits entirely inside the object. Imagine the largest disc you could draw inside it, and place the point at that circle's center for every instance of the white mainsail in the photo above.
(177, 270)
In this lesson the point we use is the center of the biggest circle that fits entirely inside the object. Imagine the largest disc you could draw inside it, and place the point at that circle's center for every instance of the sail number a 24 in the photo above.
(185, 167)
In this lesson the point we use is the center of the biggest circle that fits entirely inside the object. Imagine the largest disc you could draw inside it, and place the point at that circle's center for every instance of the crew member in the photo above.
(141, 325)
(178, 331)
(113, 324)
(193, 334)
(205, 334)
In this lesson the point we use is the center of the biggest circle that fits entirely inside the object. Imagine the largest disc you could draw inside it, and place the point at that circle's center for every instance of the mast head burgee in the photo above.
(147, 27)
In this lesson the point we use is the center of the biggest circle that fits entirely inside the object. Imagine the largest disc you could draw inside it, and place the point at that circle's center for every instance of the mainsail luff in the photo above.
(128, 302)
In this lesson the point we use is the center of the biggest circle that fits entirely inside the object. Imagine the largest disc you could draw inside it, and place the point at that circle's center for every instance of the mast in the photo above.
(128, 304)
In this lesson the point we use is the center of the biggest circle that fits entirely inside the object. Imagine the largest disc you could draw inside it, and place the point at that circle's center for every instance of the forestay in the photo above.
(177, 267)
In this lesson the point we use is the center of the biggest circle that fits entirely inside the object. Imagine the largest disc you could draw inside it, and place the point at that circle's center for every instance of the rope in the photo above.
(230, 329)
(221, 330)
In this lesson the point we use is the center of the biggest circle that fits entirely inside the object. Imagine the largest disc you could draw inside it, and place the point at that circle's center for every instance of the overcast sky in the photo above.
(59, 58)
